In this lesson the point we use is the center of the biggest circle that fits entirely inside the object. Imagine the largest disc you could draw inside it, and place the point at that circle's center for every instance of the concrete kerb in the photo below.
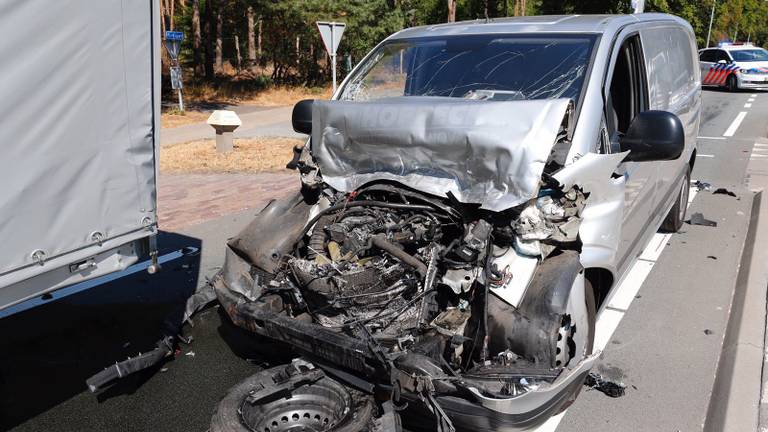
(735, 403)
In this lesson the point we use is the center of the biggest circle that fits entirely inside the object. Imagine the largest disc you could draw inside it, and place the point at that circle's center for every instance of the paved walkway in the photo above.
(185, 200)
(257, 122)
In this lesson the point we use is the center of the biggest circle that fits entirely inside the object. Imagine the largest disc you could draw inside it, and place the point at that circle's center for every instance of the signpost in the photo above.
(173, 45)
(331, 33)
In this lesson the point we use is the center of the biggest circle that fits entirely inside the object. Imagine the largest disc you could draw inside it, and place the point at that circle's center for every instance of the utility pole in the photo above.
(711, 17)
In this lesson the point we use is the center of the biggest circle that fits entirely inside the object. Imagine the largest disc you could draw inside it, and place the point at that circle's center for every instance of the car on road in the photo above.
(734, 66)
(470, 198)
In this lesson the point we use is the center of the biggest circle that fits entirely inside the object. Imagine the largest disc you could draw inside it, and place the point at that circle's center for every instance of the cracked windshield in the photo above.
(483, 67)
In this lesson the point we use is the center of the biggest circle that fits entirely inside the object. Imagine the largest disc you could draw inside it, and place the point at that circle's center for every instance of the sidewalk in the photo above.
(184, 200)
(739, 399)
(257, 122)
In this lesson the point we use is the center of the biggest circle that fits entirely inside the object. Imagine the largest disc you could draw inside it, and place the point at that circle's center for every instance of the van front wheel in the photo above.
(674, 220)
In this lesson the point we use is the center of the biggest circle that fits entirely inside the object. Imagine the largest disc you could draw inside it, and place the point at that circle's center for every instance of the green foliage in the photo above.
(370, 21)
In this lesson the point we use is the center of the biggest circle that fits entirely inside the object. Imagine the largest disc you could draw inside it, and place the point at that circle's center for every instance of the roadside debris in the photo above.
(712, 257)
(700, 185)
(708, 332)
(190, 354)
(699, 219)
(607, 387)
(723, 191)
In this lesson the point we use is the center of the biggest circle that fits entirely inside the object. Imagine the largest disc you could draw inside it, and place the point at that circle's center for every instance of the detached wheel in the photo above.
(674, 220)
(731, 83)
(321, 406)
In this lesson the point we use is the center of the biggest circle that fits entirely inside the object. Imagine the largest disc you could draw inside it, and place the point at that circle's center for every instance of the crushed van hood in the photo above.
(484, 152)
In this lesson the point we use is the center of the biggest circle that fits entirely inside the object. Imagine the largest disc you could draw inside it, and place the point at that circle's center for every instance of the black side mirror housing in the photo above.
(302, 116)
(654, 136)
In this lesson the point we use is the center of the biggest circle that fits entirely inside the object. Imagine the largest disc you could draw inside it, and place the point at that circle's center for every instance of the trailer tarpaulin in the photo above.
(77, 129)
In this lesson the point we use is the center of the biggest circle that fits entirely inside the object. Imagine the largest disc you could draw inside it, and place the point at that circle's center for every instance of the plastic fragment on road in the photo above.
(607, 387)
(723, 191)
(700, 185)
(699, 219)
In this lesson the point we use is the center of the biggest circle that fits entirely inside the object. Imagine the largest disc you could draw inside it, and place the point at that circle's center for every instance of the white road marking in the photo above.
(735, 124)
(747, 105)
(751, 100)
(712, 138)
(705, 155)
(619, 303)
(753, 95)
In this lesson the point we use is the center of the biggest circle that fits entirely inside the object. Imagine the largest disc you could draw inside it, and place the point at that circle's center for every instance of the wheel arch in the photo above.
(601, 280)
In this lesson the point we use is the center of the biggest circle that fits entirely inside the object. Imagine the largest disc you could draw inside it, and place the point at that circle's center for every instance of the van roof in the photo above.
(596, 24)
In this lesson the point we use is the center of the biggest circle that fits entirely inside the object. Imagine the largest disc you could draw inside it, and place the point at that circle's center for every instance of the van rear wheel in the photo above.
(674, 220)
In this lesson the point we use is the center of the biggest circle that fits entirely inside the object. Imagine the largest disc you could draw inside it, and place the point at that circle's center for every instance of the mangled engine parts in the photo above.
(392, 272)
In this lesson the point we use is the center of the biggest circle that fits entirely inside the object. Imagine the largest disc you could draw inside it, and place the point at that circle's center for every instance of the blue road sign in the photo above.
(174, 35)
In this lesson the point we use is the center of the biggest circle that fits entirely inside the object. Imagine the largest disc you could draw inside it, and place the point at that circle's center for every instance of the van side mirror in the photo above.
(302, 116)
(654, 136)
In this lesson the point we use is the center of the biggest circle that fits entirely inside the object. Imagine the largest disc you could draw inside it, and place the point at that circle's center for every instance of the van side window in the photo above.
(627, 95)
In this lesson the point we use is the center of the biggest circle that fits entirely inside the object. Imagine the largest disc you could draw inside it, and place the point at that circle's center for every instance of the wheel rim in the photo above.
(318, 407)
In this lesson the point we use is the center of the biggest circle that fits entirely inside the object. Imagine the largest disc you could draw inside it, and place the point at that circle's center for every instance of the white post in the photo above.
(333, 56)
(711, 17)
(181, 102)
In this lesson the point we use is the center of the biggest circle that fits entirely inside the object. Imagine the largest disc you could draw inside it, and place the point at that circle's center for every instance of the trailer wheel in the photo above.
(321, 406)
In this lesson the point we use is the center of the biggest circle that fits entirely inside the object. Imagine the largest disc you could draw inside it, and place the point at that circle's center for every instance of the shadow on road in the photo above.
(47, 352)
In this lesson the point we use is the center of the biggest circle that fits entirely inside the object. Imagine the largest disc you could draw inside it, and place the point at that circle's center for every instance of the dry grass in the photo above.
(249, 155)
(172, 119)
(281, 96)
(232, 94)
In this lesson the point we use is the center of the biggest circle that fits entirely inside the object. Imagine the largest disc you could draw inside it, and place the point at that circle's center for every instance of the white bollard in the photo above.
(224, 122)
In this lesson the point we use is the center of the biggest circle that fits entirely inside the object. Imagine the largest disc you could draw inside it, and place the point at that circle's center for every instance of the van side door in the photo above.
(674, 86)
(625, 93)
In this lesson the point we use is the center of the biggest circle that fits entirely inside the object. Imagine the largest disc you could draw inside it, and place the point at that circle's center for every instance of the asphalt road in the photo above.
(665, 347)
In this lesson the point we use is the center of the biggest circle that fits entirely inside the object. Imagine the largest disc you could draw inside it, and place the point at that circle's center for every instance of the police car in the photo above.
(734, 66)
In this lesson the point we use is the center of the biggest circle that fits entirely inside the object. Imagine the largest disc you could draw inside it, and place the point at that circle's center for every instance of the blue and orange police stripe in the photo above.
(718, 74)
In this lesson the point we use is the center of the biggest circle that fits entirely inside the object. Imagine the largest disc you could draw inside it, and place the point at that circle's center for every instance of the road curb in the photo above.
(735, 400)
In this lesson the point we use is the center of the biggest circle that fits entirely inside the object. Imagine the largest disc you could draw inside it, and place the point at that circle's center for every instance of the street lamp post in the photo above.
(711, 17)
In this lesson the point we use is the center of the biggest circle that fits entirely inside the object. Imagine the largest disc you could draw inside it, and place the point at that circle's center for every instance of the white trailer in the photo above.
(79, 137)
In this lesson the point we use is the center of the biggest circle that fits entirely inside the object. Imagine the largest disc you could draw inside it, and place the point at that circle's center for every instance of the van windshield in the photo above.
(486, 67)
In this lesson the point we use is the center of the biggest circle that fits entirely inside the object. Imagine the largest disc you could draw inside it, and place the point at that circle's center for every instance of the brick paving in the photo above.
(184, 200)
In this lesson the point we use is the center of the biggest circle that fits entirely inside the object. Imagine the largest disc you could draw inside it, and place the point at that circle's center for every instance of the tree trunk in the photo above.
(451, 10)
(162, 17)
(522, 7)
(251, 37)
(219, 42)
(237, 52)
(298, 53)
(208, 43)
(197, 38)
(261, 21)
(170, 12)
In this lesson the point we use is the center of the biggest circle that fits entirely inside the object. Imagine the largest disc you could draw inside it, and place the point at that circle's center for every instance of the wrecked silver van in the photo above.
(469, 198)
